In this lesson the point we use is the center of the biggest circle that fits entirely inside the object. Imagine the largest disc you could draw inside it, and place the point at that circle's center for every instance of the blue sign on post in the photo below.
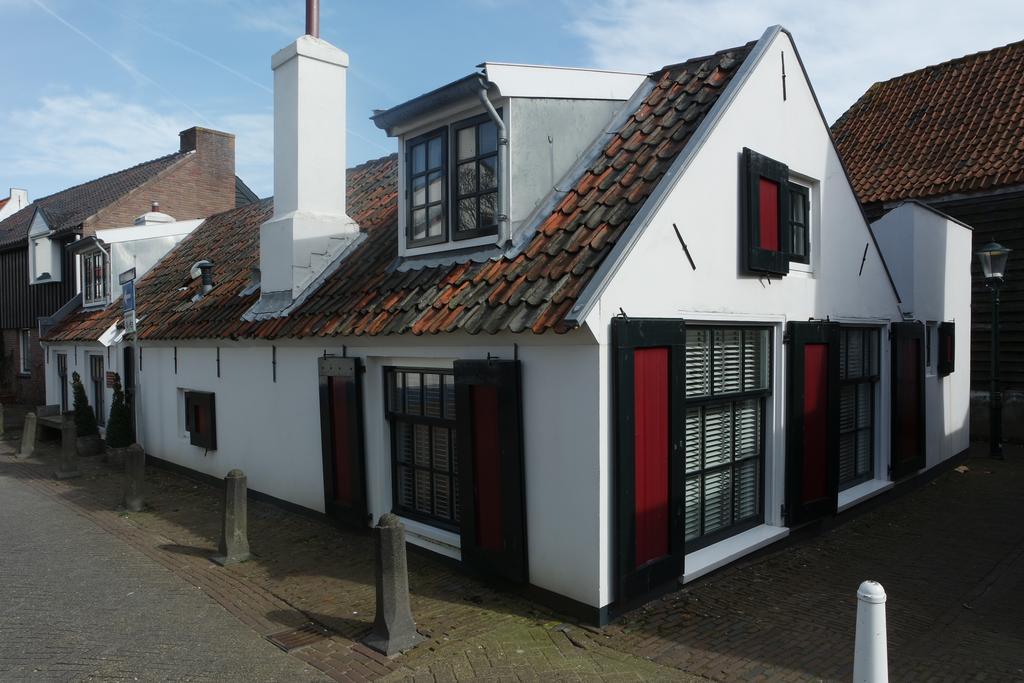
(128, 295)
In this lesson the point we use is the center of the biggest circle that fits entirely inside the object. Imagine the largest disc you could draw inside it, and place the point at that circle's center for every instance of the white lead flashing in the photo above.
(611, 263)
(563, 83)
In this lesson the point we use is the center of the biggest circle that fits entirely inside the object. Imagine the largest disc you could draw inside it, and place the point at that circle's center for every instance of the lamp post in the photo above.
(993, 258)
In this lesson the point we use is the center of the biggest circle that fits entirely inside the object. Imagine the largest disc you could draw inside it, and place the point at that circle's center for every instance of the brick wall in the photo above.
(15, 387)
(201, 185)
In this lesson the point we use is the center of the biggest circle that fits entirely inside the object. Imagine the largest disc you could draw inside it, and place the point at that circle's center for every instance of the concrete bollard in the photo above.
(870, 651)
(394, 630)
(28, 437)
(234, 539)
(134, 477)
(68, 465)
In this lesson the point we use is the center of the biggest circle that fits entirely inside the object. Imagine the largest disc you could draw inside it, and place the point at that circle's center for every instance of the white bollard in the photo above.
(870, 652)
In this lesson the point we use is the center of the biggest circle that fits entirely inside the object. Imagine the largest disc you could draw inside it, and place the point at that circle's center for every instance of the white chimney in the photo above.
(309, 226)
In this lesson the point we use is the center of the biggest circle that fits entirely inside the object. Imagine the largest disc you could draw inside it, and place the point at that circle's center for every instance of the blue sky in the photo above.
(92, 86)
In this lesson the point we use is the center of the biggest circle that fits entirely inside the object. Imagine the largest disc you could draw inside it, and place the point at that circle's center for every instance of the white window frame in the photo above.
(931, 348)
(25, 351)
(812, 223)
(87, 279)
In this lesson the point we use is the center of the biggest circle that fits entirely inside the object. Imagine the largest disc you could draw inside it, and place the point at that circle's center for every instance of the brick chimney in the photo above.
(309, 227)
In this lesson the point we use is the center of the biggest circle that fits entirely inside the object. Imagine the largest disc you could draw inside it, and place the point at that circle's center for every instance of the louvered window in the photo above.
(421, 411)
(727, 382)
(858, 377)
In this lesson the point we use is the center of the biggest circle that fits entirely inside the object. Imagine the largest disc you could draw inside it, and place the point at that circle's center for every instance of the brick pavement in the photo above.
(947, 553)
(307, 569)
(79, 604)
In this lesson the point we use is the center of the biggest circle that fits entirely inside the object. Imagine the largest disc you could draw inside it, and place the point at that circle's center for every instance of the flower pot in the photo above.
(90, 445)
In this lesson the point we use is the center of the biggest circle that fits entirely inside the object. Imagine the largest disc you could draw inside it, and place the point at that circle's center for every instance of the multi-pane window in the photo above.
(476, 173)
(62, 377)
(421, 412)
(727, 382)
(452, 182)
(97, 377)
(95, 287)
(858, 377)
(799, 223)
(427, 205)
(24, 352)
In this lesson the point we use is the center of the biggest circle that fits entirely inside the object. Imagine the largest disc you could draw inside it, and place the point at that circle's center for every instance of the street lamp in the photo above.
(993, 258)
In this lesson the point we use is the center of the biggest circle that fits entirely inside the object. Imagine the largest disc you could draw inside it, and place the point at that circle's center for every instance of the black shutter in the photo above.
(492, 491)
(649, 461)
(812, 421)
(947, 349)
(201, 419)
(908, 416)
(771, 254)
(341, 438)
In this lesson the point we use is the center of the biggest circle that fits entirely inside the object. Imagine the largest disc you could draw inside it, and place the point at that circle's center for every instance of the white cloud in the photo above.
(846, 46)
(67, 139)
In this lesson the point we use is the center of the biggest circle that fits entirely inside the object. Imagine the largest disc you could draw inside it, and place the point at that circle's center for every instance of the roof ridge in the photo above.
(961, 58)
(703, 58)
(112, 173)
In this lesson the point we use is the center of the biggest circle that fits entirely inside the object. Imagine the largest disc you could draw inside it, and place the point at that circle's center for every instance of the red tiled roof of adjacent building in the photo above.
(530, 290)
(69, 208)
(956, 127)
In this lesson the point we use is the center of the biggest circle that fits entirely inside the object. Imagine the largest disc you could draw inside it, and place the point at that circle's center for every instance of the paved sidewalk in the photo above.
(950, 555)
(306, 569)
(78, 603)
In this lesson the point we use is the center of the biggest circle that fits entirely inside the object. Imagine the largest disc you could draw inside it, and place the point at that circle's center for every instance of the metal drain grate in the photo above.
(293, 639)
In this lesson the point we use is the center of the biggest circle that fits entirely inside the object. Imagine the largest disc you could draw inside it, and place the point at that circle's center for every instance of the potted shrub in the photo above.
(119, 426)
(89, 442)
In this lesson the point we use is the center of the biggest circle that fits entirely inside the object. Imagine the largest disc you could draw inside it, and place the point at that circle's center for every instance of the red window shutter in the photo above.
(765, 219)
(651, 439)
(487, 472)
(341, 440)
(816, 390)
(768, 191)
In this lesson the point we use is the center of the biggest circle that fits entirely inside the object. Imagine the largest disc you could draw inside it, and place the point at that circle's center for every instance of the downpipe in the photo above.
(504, 227)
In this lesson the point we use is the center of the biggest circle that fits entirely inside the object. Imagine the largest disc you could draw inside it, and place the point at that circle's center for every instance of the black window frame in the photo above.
(62, 375)
(872, 378)
(456, 196)
(447, 420)
(760, 260)
(98, 386)
(410, 175)
(803, 191)
(733, 399)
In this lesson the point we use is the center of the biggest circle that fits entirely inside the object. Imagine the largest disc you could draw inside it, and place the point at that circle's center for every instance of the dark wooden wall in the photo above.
(996, 217)
(20, 302)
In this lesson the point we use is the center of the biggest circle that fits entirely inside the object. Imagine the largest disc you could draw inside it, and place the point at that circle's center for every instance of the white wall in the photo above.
(78, 361)
(931, 259)
(271, 430)
(656, 280)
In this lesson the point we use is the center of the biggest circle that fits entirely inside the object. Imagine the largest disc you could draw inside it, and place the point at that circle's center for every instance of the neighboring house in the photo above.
(14, 202)
(592, 332)
(951, 135)
(39, 275)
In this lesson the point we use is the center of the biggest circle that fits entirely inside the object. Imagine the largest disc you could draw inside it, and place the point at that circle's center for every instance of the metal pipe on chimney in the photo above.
(313, 18)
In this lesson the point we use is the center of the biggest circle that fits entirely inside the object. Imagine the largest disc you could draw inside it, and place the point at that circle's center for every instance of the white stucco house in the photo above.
(16, 200)
(593, 332)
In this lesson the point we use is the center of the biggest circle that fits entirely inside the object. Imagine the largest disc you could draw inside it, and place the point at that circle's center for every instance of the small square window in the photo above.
(799, 223)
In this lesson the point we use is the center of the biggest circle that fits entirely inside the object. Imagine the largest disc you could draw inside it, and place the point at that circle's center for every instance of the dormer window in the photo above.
(44, 254)
(95, 279)
(427, 204)
(476, 188)
(449, 202)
